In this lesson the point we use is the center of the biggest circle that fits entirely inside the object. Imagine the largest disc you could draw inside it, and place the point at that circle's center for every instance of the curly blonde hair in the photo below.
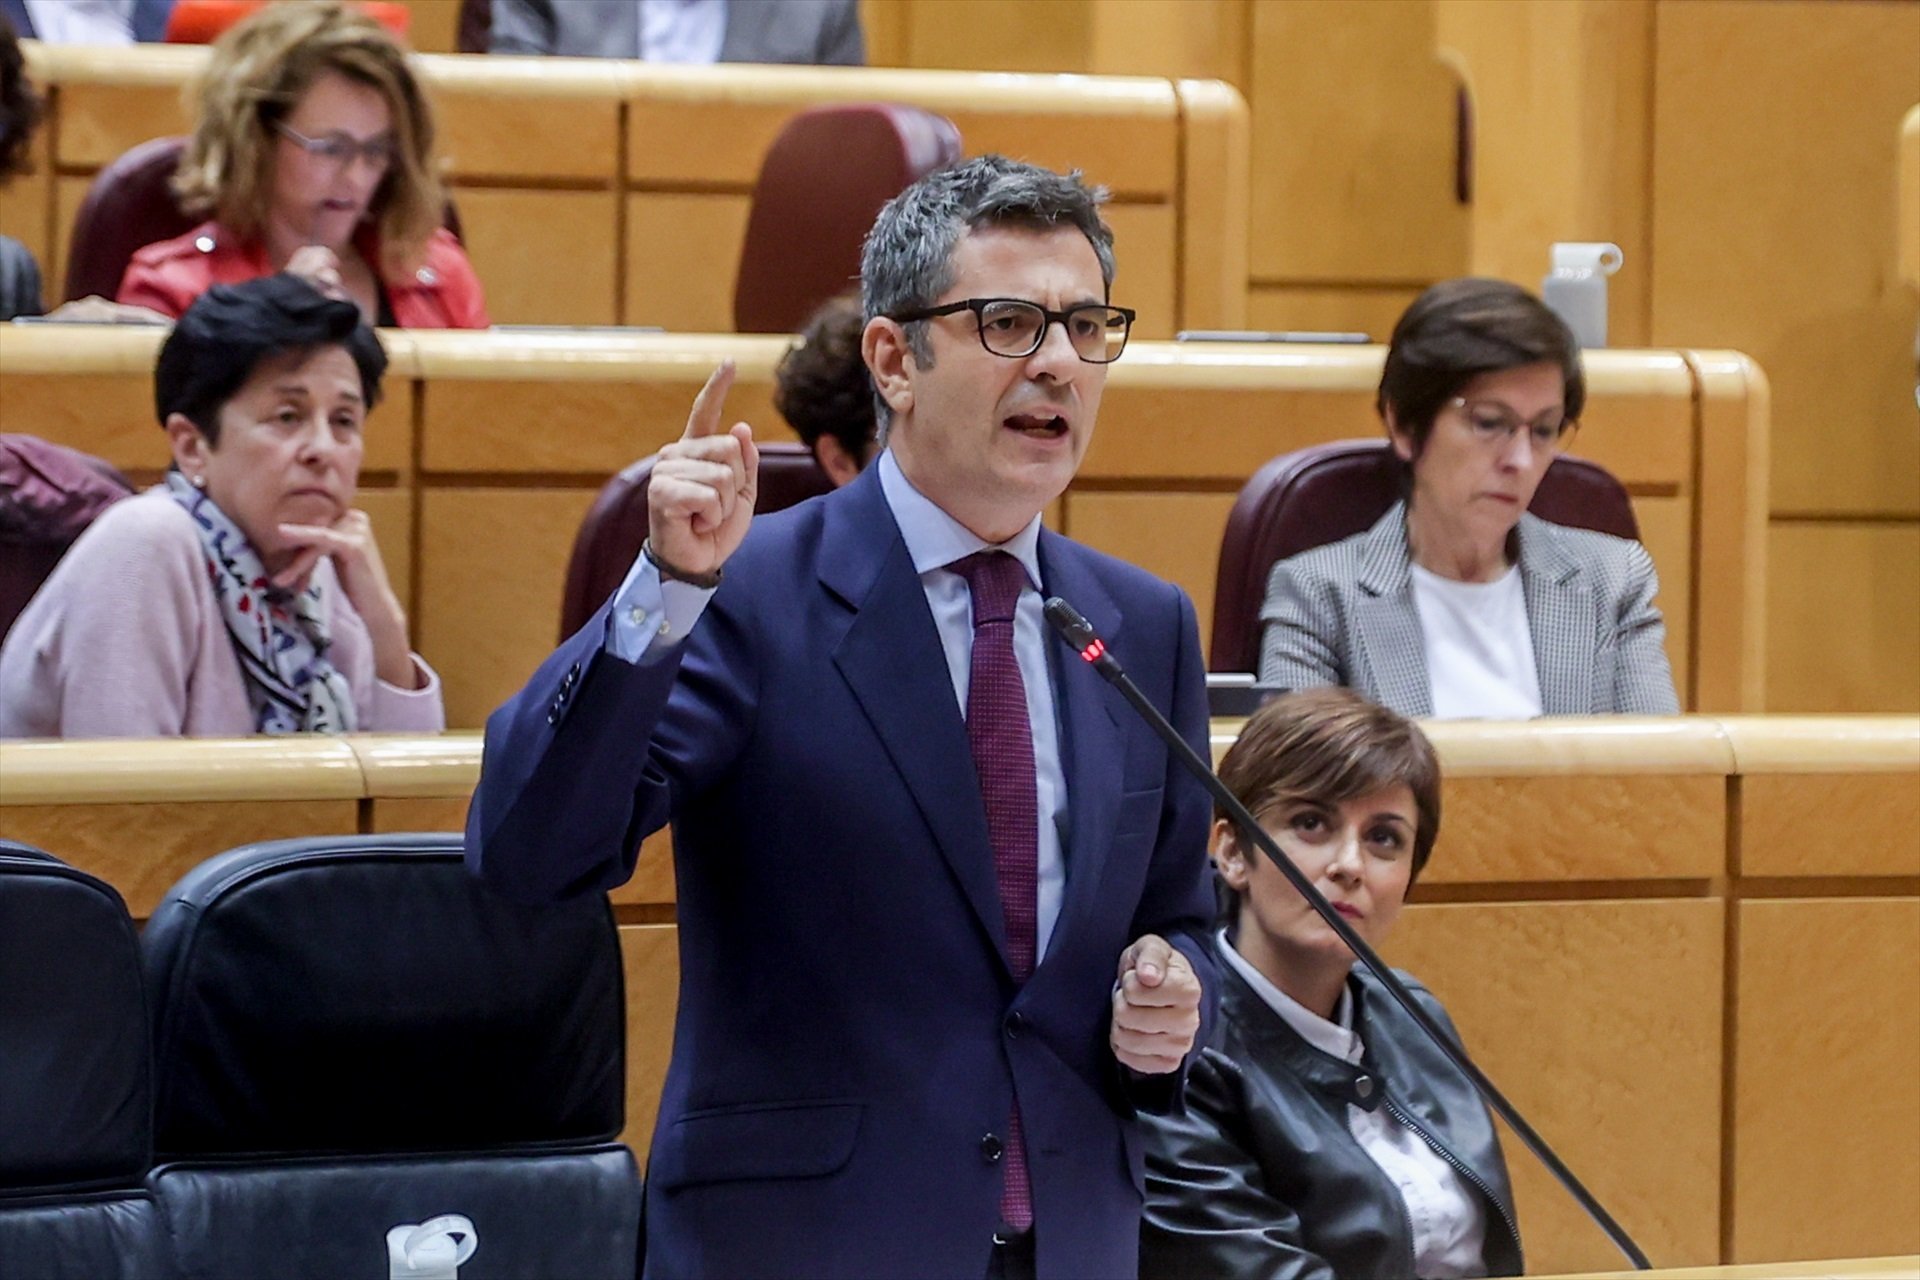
(259, 70)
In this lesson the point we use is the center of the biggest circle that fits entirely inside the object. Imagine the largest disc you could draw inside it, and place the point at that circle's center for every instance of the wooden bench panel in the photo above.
(1602, 1021)
(1826, 1100)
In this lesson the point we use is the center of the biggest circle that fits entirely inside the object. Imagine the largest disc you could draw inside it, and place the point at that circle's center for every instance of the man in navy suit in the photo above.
(941, 896)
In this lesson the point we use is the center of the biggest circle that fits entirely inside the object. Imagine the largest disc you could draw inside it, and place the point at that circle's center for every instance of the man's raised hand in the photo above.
(700, 500)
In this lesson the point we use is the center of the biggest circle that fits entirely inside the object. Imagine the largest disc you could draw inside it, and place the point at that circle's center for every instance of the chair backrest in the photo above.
(350, 1033)
(1326, 492)
(823, 180)
(76, 1078)
(128, 206)
(49, 494)
(614, 527)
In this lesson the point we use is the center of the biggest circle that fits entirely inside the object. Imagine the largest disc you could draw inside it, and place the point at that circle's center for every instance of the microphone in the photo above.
(1079, 633)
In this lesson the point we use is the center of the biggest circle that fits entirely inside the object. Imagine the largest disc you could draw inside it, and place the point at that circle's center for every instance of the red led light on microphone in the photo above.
(1093, 651)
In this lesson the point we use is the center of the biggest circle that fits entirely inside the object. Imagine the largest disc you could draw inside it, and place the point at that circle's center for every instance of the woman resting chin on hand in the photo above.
(246, 594)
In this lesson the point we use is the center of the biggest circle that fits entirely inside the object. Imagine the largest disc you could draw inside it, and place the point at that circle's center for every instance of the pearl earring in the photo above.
(199, 482)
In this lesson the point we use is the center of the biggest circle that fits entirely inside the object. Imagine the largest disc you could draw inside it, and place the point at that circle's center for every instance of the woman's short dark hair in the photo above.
(20, 106)
(219, 341)
(1460, 329)
(1329, 746)
(821, 386)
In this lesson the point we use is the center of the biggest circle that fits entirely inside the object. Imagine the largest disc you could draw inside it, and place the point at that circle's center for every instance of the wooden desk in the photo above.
(490, 447)
(597, 191)
(1724, 1054)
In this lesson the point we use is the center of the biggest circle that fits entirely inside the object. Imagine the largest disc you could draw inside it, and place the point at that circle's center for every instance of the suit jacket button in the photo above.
(990, 1149)
(1016, 1025)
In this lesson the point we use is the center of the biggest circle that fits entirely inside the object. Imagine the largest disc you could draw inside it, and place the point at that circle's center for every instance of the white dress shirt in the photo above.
(1449, 1223)
(682, 30)
(650, 617)
(82, 21)
(1479, 648)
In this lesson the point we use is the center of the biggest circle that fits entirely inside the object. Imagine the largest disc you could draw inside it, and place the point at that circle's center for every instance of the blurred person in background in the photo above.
(88, 21)
(1457, 603)
(20, 110)
(1323, 1134)
(822, 388)
(314, 154)
(807, 32)
(246, 594)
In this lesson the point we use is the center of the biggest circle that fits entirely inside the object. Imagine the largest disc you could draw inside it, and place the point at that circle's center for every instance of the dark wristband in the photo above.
(705, 581)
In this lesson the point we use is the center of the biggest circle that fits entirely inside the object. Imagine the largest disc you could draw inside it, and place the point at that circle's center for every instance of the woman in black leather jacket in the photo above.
(1323, 1135)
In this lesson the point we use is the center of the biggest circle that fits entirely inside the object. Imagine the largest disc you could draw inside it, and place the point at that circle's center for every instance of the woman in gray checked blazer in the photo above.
(1456, 602)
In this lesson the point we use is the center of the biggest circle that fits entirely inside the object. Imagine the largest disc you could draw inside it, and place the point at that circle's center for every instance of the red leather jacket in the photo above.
(167, 276)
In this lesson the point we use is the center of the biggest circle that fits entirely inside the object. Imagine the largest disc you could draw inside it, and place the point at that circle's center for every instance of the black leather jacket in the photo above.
(1261, 1176)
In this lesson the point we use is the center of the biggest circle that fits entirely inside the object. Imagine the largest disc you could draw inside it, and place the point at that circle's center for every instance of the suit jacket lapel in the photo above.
(1557, 594)
(1093, 742)
(891, 658)
(1386, 627)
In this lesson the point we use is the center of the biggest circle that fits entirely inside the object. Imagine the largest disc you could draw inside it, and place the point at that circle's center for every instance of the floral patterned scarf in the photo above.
(280, 636)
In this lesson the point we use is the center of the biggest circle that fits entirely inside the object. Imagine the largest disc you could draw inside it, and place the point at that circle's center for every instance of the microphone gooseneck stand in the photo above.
(1079, 633)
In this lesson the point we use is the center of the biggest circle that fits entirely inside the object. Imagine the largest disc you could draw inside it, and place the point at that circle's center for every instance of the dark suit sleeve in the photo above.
(1177, 902)
(842, 44)
(593, 754)
(1208, 1211)
(522, 26)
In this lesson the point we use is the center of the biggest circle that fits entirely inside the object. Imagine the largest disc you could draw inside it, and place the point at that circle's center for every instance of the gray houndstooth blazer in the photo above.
(1344, 614)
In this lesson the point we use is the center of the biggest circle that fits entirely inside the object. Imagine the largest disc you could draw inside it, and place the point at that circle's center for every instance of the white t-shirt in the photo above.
(1479, 650)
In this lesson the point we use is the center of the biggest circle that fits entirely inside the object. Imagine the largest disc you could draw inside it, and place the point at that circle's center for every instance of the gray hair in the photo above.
(907, 261)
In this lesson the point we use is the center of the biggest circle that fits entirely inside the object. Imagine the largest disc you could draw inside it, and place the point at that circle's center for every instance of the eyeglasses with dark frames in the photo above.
(1015, 327)
(339, 149)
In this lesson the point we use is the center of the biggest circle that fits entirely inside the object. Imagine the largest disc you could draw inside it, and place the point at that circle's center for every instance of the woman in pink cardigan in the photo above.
(246, 594)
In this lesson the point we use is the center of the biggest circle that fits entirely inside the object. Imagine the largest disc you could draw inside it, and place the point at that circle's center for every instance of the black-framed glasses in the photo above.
(1015, 327)
(340, 150)
(1494, 424)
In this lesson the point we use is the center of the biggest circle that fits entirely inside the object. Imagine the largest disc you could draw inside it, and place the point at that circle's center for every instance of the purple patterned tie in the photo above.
(1002, 743)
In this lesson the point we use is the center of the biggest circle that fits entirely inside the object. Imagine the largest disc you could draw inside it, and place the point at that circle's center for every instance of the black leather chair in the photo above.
(76, 1101)
(615, 525)
(351, 1034)
(1326, 492)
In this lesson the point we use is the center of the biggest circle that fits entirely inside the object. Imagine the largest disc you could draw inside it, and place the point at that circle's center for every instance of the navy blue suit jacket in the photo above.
(849, 1034)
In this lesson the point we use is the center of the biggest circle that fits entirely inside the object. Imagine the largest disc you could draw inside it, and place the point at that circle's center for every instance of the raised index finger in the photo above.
(705, 418)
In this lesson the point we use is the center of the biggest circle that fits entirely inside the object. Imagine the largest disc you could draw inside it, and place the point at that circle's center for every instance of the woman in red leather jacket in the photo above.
(314, 155)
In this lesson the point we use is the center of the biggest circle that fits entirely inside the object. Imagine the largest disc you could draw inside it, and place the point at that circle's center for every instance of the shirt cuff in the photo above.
(651, 616)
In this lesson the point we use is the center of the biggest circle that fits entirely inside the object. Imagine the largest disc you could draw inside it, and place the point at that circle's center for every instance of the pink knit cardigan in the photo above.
(125, 640)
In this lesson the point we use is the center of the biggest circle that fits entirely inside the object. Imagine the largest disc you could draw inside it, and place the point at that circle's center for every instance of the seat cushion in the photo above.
(108, 1236)
(575, 1215)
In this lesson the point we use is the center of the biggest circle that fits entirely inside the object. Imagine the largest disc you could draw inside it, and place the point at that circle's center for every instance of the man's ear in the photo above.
(190, 448)
(883, 345)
